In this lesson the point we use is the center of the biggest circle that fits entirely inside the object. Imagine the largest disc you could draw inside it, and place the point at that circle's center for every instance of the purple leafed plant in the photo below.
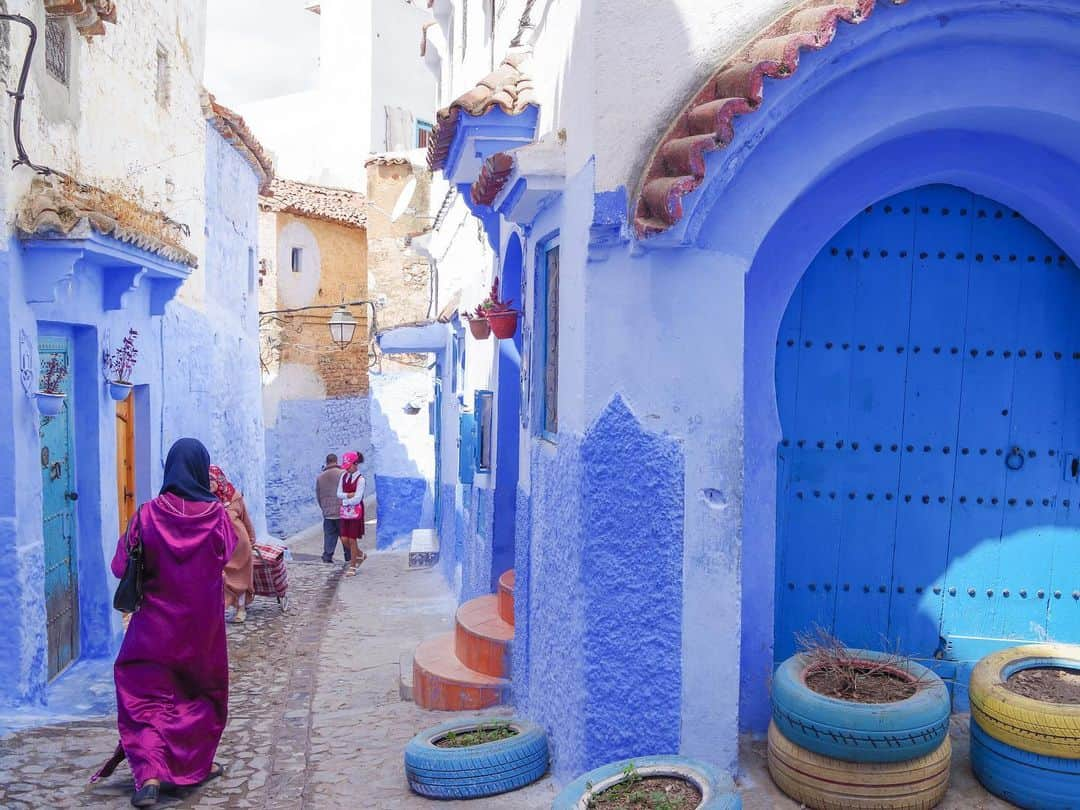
(122, 361)
(53, 375)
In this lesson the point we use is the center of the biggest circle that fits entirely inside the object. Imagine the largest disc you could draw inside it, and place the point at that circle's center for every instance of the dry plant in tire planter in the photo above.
(858, 728)
(834, 670)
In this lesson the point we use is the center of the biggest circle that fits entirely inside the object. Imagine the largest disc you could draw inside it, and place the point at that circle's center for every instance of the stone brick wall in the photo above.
(399, 278)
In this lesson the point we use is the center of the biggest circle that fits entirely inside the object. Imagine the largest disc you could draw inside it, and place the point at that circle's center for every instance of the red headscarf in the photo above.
(225, 490)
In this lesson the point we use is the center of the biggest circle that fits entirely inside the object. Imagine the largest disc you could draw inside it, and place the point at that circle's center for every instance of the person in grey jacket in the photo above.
(326, 487)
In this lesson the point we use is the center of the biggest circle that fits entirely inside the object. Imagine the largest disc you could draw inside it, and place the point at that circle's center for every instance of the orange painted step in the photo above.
(441, 681)
(506, 596)
(481, 638)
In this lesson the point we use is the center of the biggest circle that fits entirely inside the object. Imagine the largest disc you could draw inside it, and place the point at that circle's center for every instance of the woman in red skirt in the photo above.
(351, 493)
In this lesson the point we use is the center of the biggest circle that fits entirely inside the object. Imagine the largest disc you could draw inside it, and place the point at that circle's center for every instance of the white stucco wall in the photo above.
(369, 59)
(157, 155)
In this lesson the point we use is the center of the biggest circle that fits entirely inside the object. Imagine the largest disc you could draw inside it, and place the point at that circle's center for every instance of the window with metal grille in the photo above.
(161, 92)
(547, 291)
(297, 259)
(57, 42)
(484, 409)
(423, 133)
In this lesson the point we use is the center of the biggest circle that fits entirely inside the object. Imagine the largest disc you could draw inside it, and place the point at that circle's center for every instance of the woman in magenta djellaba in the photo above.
(172, 672)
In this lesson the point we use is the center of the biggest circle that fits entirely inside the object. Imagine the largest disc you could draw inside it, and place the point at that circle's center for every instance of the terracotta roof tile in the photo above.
(60, 207)
(677, 166)
(493, 176)
(235, 130)
(508, 87)
(90, 15)
(339, 205)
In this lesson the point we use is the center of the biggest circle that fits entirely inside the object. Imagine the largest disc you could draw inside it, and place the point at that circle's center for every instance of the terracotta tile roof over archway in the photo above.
(508, 87)
(232, 127)
(677, 166)
(339, 205)
(493, 176)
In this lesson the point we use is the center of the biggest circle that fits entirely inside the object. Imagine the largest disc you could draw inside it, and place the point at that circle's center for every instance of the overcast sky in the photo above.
(257, 49)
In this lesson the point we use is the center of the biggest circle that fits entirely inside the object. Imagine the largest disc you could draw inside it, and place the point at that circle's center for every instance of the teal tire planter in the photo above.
(1031, 781)
(717, 789)
(860, 732)
(476, 770)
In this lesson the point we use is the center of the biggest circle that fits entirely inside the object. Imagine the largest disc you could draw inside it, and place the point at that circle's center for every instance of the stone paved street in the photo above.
(316, 719)
(315, 716)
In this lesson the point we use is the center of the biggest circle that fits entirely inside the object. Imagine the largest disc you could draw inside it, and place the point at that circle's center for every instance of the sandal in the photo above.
(216, 770)
(147, 795)
(350, 571)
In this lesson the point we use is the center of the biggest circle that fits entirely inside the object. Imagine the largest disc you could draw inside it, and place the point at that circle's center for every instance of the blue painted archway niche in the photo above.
(972, 93)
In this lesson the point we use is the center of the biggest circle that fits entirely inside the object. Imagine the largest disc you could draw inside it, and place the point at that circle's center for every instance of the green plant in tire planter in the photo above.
(647, 793)
(468, 758)
(663, 782)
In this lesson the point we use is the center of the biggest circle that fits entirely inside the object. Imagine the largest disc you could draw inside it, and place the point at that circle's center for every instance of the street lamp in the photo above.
(342, 326)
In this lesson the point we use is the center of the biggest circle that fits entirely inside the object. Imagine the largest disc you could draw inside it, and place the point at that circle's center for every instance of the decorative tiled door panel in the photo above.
(58, 516)
(928, 384)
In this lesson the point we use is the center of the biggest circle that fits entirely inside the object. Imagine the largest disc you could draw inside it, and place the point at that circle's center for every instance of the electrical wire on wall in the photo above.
(19, 94)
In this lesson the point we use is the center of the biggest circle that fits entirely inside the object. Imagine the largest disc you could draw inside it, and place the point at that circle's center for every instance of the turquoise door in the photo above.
(58, 514)
(928, 382)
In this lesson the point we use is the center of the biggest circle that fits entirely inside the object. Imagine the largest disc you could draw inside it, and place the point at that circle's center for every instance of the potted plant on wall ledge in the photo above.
(502, 317)
(120, 364)
(478, 323)
(50, 399)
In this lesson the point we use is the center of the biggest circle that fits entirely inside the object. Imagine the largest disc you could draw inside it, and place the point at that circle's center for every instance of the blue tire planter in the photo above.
(1032, 781)
(860, 732)
(477, 770)
(717, 789)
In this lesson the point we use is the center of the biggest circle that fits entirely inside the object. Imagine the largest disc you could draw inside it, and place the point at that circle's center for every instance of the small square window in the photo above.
(297, 259)
(57, 43)
(161, 92)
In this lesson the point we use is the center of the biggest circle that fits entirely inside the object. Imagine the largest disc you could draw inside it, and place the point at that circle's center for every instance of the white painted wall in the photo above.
(399, 78)
(369, 59)
(157, 155)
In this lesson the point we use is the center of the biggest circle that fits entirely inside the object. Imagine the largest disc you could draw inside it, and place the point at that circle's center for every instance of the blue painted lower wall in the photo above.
(400, 509)
(296, 447)
(522, 580)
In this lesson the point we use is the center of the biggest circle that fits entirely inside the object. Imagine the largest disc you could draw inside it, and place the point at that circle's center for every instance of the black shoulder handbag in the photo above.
(129, 592)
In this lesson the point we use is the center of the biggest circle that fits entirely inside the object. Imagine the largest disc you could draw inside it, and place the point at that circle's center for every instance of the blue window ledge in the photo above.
(50, 261)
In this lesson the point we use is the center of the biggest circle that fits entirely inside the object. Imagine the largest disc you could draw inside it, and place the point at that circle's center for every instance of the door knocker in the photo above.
(1015, 459)
(44, 456)
(56, 472)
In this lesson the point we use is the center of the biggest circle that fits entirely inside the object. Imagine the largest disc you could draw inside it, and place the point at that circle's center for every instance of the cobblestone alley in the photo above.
(315, 716)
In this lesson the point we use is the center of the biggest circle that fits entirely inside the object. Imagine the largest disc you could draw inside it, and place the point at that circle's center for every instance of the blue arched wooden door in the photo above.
(928, 384)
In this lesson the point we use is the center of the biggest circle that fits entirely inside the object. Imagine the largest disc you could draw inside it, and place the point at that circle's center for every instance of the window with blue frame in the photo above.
(484, 405)
(423, 134)
(547, 327)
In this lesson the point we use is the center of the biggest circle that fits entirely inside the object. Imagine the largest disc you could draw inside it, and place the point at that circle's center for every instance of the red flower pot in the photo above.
(480, 328)
(503, 324)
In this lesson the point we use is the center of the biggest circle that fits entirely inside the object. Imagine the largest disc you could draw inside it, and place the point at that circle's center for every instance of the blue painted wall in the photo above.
(296, 447)
(197, 375)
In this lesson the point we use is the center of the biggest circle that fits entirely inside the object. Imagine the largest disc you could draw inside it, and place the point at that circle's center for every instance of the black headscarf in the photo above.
(187, 472)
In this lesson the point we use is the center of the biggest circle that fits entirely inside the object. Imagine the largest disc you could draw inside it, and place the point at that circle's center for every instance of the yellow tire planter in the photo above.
(1050, 729)
(825, 783)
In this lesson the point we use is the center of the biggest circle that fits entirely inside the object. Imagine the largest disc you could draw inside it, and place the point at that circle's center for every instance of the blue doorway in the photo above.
(58, 498)
(928, 386)
(508, 416)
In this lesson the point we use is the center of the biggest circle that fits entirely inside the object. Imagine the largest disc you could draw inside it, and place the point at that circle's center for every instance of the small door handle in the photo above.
(1015, 459)
(71, 496)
